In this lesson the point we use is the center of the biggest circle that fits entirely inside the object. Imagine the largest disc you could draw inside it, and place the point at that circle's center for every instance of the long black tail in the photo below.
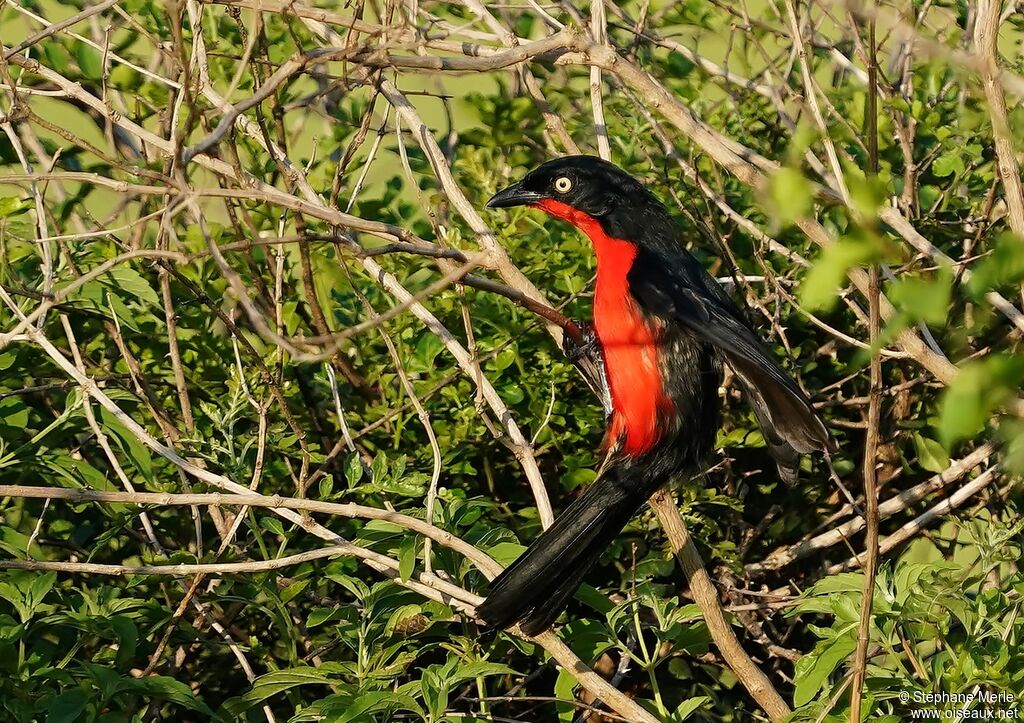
(535, 589)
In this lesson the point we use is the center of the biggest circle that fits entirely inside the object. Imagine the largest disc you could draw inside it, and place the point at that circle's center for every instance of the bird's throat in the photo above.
(628, 338)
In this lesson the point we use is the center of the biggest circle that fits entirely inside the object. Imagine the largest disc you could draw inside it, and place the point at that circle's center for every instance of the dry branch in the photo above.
(931, 515)
(217, 499)
(706, 596)
(986, 40)
(892, 506)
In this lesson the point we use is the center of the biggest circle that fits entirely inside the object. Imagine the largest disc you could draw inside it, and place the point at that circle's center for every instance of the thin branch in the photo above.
(986, 41)
(599, 33)
(248, 499)
(932, 514)
(54, 28)
(871, 444)
(186, 570)
(890, 507)
(706, 596)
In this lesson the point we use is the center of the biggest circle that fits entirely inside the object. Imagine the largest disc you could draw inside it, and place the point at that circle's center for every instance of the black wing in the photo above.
(680, 290)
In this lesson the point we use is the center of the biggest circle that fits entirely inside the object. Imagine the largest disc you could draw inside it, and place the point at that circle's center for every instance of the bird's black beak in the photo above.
(514, 195)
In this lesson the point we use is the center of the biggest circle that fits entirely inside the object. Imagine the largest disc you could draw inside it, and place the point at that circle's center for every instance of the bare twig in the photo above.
(892, 506)
(912, 528)
(871, 444)
(986, 40)
(706, 596)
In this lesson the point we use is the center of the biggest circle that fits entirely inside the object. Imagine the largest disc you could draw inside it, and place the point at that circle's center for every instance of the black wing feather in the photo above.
(680, 290)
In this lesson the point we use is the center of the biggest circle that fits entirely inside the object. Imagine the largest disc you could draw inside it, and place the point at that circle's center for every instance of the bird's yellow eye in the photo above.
(563, 184)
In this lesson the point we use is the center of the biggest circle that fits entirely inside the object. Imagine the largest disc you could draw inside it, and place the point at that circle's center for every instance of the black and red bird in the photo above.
(664, 328)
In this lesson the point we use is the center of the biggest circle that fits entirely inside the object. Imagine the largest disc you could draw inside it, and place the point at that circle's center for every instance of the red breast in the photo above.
(628, 338)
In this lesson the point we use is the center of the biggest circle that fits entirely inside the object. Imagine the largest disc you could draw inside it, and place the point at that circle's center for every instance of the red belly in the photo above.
(631, 361)
(627, 337)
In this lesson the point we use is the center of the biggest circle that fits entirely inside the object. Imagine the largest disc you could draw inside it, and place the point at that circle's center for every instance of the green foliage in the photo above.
(791, 194)
(820, 287)
(979, 388)
(937, 625)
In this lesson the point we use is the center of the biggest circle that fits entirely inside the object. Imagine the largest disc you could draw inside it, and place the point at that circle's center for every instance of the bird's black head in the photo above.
(584, 184)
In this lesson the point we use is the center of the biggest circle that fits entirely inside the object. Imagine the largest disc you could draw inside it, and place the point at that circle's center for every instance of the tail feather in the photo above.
(543, 616)
(788, 422)
(535, 588)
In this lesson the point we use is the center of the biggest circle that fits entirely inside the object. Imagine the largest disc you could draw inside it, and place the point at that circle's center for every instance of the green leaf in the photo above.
(867, 193)
(480, 669)
(326, 486)
(679, 66)
(589, 638)
(974, 394)
(813, 670)
(791, 194)
(127, 639)
(56, 57)
(435, 689)
(427, 349)
(14, 596)
(13, 413)
(67, 707)
(407, 557)
(124, 78)
(688, 708)
(40, 587)
(379, 468)
(378, 702)
(89, 60)
(137, 452)
(132, 285)
(1003, 266)
(13, 207)
(578, 478)
(353, 470)
(319, 616)
(292, 590)
(506, 552)
(273, 683)
(399, 616)
(818, 597)
(924, 299)
(930, 454)
(165, 688)
(354, 585)
(949, 163)
(505, 358)
(565, 687)
(272, 525)
(820, 286)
